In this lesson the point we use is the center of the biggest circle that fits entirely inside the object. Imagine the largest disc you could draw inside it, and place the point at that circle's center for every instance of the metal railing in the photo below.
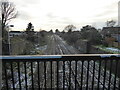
(79, 72)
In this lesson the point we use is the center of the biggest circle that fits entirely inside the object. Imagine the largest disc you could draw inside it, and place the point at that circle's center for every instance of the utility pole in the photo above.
(9, 42)
(119, 13)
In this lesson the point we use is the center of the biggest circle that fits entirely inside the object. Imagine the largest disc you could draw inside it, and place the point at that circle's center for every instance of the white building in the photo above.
(15, 33)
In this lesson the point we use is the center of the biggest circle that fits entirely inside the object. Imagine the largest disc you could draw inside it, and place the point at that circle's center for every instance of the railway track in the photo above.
(65, 50)
(72, 76)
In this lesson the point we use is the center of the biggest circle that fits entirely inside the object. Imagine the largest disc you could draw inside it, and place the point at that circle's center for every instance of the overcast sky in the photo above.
(56, 14)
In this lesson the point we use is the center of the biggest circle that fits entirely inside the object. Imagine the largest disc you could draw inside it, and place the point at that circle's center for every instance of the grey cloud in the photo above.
(51, 16)
(23, 15)
(59, 20)
(98, 24)
(107, 10)
(105, 13)
(31, 1)
(64, 20)
(111, 6)
(26, 2)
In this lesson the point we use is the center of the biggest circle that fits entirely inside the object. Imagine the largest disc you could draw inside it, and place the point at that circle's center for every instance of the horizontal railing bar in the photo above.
(68, 57)
(72, 69)
(30, 57)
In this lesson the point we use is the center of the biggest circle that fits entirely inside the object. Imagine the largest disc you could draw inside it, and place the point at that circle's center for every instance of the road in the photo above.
(57, 46)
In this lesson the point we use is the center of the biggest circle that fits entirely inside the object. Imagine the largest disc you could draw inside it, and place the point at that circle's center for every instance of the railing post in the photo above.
(1, 54)
(0, 74)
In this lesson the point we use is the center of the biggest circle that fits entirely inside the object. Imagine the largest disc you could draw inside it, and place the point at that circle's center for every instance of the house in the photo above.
(15, 33)
(116, 36)
(111, 36)
(108, 31)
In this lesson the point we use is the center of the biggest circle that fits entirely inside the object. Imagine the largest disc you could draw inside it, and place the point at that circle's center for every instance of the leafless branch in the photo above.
(8, 11)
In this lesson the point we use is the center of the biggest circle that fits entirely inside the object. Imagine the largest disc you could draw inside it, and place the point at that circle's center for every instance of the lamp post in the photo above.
(9, 38)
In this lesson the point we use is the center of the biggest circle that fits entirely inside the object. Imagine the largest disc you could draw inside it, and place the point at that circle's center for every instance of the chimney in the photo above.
(119, 13)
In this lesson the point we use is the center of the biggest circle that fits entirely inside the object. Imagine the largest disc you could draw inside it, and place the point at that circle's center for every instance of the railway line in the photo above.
(64, 74)
(69, 73)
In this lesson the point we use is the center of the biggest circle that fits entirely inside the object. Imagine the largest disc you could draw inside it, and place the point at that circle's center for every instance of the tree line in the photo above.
(86, 33)
(8, 12)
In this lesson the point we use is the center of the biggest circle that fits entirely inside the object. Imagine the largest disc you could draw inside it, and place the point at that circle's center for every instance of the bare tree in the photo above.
(30, 27)
(7, 13)
(69, 28)
(110, 23)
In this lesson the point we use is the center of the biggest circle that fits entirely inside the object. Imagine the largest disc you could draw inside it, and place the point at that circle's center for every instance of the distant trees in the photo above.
(87, 32)
(57, 31)
(30, 27)
(70, 36)
(110, 23)
(42, 37)
(30, 32)
(69, 28)
(63, 32)
(73, 37)
(92, 34)
(51, 31)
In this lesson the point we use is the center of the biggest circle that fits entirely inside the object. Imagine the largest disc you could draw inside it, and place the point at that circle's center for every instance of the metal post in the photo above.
(1, 29)
(0, 74)
(119, 13)
(9, 38)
